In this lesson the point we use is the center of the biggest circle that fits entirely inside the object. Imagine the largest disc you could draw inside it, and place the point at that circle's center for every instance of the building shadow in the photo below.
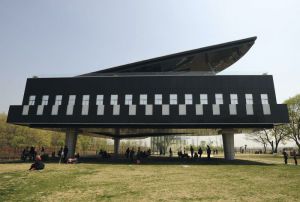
(152, 160)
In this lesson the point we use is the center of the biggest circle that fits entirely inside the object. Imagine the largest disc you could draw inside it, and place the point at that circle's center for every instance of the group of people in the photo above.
(131, 154)
(28, 153)
(194, 154)
(63, 152)
(32, 155)
(286, 156)
(104, 154)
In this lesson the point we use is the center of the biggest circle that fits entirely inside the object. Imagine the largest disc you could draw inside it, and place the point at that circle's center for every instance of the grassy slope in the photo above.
(87, 182)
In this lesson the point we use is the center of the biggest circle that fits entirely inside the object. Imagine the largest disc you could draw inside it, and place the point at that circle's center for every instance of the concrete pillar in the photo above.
(116, 143)
(228, 144)
(71, 140)
(116, 147)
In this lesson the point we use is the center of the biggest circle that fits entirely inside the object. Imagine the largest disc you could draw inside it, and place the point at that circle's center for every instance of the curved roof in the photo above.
(212, 59)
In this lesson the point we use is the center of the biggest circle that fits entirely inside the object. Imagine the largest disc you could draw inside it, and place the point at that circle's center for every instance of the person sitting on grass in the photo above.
(38, 164)
(195, 155)
(73, 160)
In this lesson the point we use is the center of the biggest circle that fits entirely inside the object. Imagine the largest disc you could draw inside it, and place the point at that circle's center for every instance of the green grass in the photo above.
(129, 182)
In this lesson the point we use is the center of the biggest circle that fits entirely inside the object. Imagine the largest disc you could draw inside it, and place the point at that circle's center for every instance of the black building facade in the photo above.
(176, 91)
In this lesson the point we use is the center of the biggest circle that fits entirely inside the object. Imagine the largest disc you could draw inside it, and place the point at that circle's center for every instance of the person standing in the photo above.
(160, 151)
(131, 154)
(66, 150)
(208, 151)
(285, 156)
(192, 151)
(127, 153)
(43, 150)
(295, 157)
(31, 153)
(171, 152)
(200, 152)
(138, 156)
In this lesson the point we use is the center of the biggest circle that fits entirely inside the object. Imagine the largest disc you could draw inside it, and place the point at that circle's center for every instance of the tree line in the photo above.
(19, 137)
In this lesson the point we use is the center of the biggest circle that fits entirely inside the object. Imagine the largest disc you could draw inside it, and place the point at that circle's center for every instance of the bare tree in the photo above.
(278, 134)
(273, 137)
(258, 137)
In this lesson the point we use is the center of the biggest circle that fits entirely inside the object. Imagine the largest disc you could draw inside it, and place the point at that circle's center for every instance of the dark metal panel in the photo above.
(164, 85)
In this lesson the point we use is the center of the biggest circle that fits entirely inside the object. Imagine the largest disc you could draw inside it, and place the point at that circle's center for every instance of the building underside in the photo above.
(179, 94)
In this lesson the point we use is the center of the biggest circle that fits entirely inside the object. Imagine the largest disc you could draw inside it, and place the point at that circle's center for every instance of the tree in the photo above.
(293, 127)
(279, 134)
(259, 137)
(273, 137)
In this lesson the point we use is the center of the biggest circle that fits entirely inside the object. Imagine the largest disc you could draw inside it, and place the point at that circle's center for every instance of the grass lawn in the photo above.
(181, 181)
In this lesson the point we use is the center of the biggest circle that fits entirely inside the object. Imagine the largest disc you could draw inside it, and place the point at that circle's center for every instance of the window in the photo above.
(99, 100)
(158, 99)
(45, 100)
(132, 110)
(219, 99)
(188, 99)
(114, 99)
(234, 99)
(71, 104)
(232, 109)
(216, 109)
(182, 109)
(149, 110)
(31, 100)
(165, 110)
(173, 99)
(85, 104)
(203, 99)
(128, 99)
(143, 99)
(85, 100)
(100, 109)
(116, 110)
(249, 99)
(264, 99)
(58, 100)
(72, 99)
(199, 109)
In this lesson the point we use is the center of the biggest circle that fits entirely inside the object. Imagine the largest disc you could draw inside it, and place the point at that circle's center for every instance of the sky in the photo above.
(68, 38)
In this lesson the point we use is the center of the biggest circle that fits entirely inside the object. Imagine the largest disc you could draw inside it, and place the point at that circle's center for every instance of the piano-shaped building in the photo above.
(178, 94)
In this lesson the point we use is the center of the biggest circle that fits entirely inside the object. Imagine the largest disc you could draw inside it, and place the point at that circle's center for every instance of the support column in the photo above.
(228, 144)
(116, 143)
(71, 140)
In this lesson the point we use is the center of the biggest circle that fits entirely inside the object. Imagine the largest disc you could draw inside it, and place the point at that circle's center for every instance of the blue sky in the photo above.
(67, 38)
